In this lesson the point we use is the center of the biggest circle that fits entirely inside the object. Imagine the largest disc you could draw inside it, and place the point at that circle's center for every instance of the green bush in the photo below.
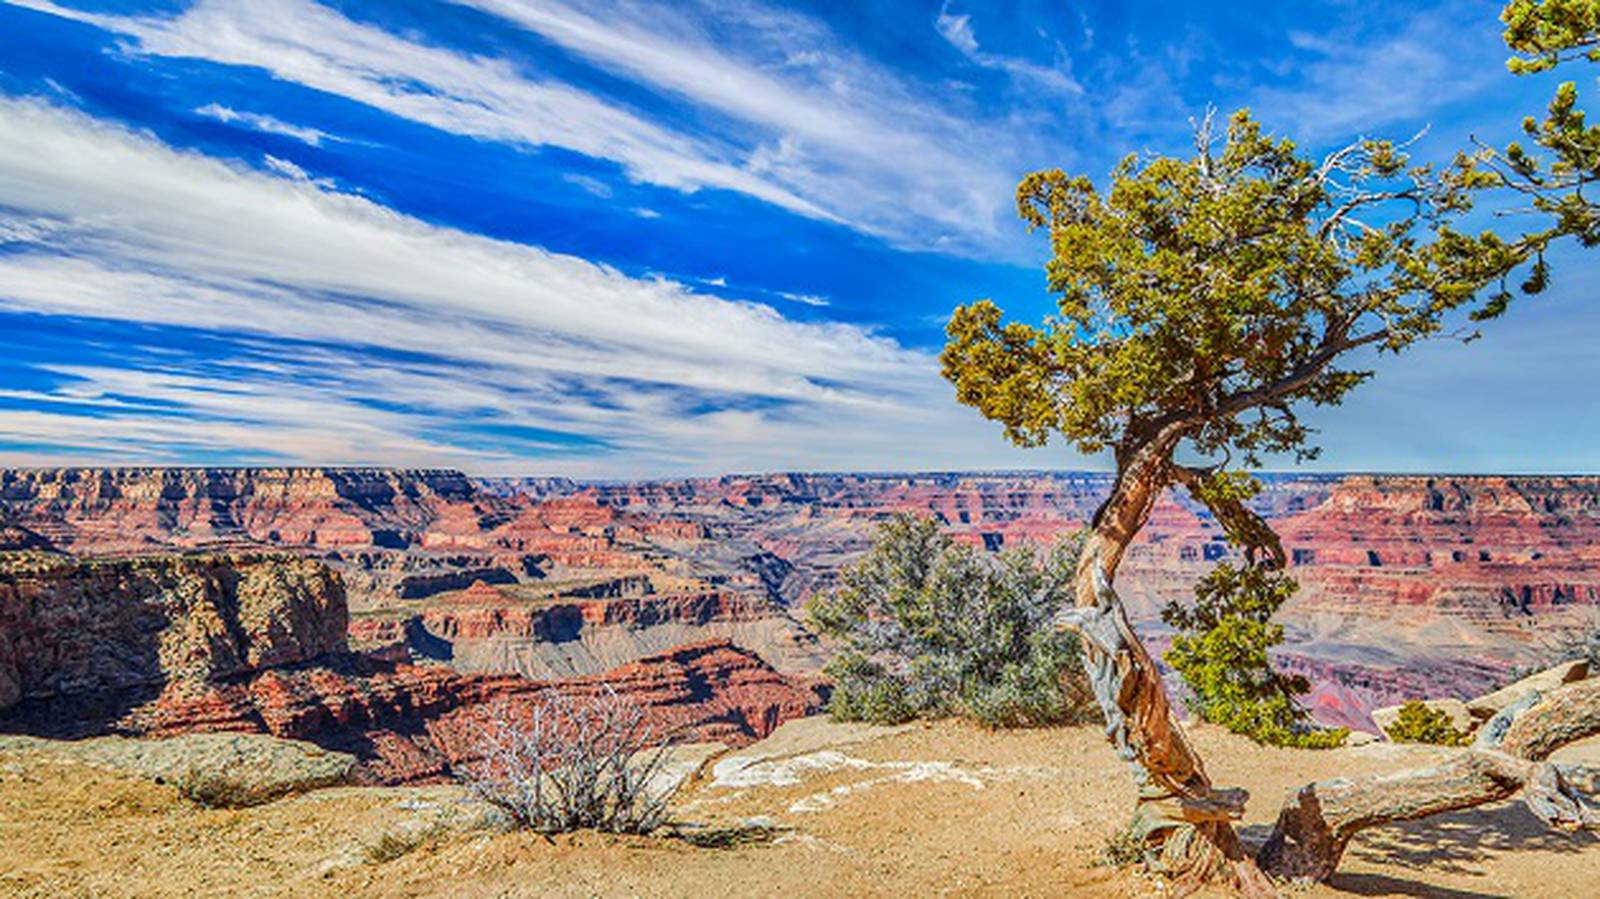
(930, 628)
(1420, 724)
(210, 789)
(1221, 654)
(397, 844)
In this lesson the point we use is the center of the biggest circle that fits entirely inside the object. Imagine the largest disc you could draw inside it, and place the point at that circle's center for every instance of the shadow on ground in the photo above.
(1456, 843)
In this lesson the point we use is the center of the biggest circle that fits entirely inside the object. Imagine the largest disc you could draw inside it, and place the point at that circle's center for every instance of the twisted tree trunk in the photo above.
(1182, 820)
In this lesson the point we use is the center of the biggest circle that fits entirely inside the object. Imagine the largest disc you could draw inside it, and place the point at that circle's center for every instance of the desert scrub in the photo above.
(1418, 723)
(212, 789)
(560, 763)
(930, 628)
(1221, 654)
(395, 844)
(1122, 849)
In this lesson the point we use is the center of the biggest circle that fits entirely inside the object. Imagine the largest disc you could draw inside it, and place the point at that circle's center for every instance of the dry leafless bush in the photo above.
(560, 764)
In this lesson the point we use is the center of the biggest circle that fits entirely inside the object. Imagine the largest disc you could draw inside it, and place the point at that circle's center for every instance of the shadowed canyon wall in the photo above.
(1410, 584)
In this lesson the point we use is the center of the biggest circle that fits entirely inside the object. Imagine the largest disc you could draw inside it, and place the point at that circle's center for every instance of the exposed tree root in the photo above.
(1184, 822)
(1316, 824)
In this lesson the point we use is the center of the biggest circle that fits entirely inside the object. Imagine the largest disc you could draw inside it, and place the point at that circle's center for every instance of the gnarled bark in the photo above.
(1182, 820)
(1316, 824)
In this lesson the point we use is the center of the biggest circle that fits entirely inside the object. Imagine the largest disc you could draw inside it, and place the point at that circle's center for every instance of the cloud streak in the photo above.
(800, 121)
(402, 340)
(959, 32)
(263, 123)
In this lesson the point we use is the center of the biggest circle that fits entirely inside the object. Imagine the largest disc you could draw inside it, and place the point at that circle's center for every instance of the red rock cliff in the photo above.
(74, 626)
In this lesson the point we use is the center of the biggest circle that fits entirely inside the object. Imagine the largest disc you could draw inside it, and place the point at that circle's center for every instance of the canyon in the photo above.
(1410, 585)
(161, 645)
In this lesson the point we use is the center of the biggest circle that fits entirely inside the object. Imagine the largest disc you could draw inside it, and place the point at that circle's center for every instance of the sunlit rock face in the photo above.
(71, 626)
(416, 722)
(1408, 584)
(164, 644)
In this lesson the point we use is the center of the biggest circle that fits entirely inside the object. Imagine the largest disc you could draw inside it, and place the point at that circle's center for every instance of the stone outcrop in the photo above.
(1469, 716)
(15, 538)
(163, 646)
(484, 630)
(70, 626)
(242, 769)
(415, 722)
(1487, 706)
(134, 508)
(1442, 584)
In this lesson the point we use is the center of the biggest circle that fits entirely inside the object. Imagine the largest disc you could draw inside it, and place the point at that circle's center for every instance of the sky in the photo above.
(614, 239)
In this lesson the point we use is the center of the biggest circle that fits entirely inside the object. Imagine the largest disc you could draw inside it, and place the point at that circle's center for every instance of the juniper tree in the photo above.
(1556, 173)
(1203, 304)
(927, 627)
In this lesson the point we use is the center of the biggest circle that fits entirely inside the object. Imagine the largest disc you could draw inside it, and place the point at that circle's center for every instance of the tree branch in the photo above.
(1243, 527)
(1302, 375)
(1317, 823)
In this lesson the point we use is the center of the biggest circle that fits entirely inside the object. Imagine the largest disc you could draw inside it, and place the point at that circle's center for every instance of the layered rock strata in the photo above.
(71, 626)
(163, 645)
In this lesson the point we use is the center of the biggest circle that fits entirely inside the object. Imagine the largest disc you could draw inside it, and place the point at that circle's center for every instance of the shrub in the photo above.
(396, 844)
(1420, 724)
(212, 789)
(561, 764)
(1221, 654)
(1123, 849)
(931, 628)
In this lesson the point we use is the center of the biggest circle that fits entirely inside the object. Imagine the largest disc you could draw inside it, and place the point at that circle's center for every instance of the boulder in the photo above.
(1361, 738)
(1460, 718)
(1489, 705)
(230, 769)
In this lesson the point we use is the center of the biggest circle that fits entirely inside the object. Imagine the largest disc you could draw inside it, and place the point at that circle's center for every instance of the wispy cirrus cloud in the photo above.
(1371, 74)
(801, 121)
(306, 43)
(369, 335)
(959, 32)
(263, 123)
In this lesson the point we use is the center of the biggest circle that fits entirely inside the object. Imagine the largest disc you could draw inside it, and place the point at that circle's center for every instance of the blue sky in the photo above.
(604, 238)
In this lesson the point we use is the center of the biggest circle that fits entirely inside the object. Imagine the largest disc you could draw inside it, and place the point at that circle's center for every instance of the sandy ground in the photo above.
(939, 809)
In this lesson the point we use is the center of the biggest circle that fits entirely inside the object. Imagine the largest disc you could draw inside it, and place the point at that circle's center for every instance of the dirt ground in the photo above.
(937, 809)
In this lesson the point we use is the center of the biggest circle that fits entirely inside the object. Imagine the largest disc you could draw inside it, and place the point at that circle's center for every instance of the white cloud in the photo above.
(591, 185)
(1348, 83)
(414, 334)
(264, 123)
(800, 121)
(809, 299)
(958, 32)
(303, 42)
(821, 120)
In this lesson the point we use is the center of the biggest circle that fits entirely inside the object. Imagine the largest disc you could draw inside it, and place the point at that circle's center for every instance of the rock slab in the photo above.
(1489, 705)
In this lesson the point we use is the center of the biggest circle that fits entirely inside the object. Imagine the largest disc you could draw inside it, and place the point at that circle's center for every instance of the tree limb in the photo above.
(1241, 524)
(1317, 823)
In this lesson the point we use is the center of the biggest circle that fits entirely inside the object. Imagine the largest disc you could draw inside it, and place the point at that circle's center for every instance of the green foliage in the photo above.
(1221, 653)
(1546, 33)
(1215, 293)
(1565, 151)
(931, 628)
(1123, 849)
(1419, 724)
